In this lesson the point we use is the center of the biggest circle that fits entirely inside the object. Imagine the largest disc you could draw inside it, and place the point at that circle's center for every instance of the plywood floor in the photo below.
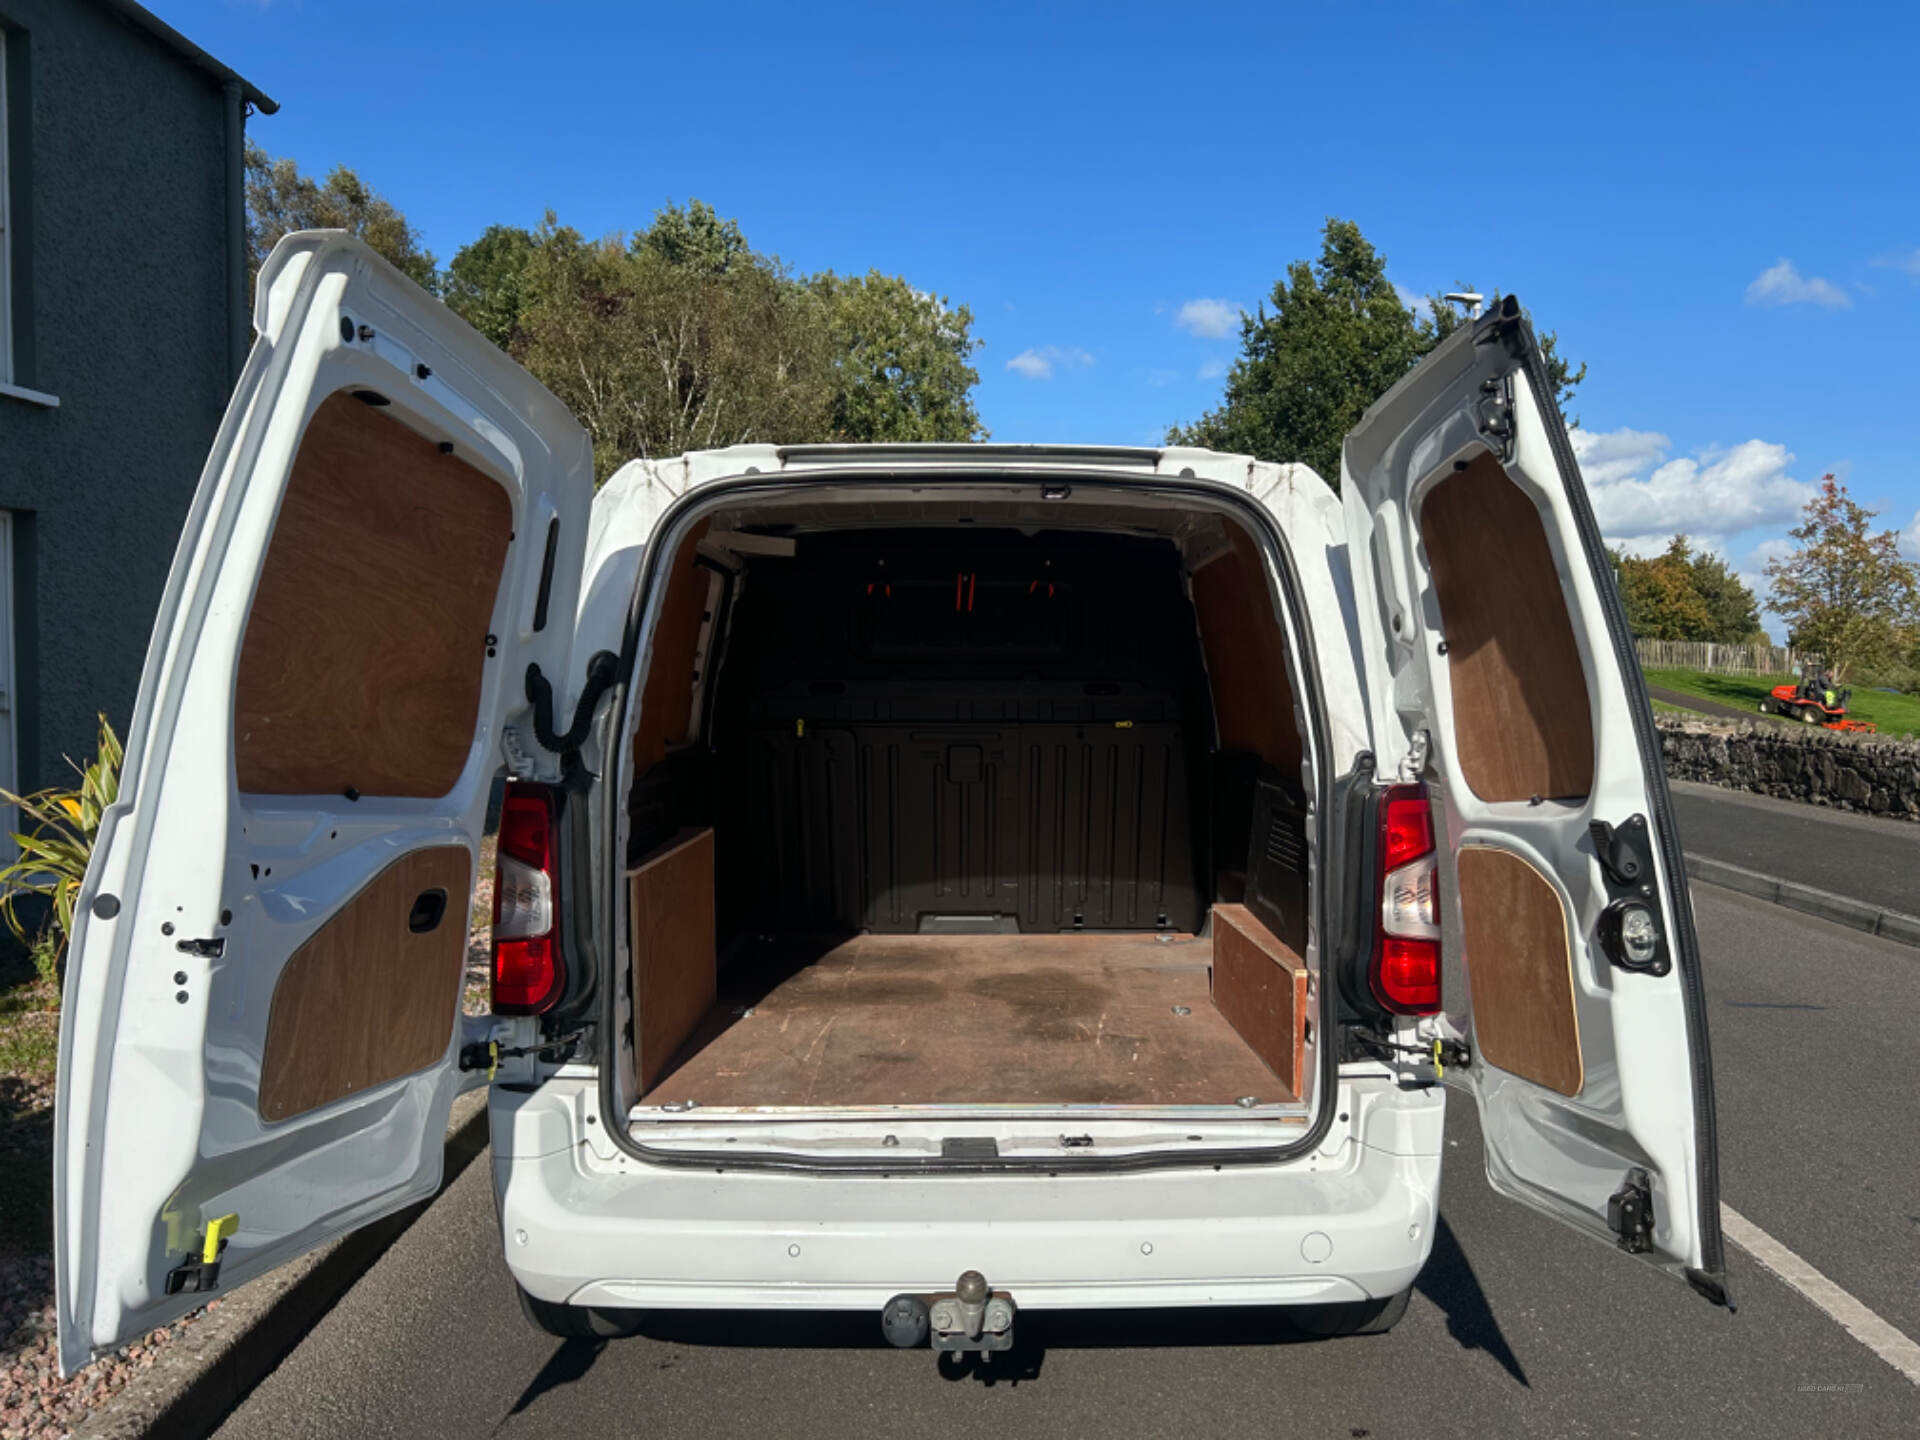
(968, 1019)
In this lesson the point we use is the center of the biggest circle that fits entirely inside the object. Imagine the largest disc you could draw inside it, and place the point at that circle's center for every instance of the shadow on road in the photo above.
(1448, 1281)
(571, 1361)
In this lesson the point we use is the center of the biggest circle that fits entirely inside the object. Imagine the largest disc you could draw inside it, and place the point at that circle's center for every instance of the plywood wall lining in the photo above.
(366, 645)
(365, 1000)
(666, 695)
(1260, 987)
(1246, 654)
(674, 943)
(1522, 716)
(1519, 969)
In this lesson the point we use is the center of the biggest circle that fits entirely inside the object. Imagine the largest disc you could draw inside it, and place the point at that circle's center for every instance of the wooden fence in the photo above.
(1720, 659)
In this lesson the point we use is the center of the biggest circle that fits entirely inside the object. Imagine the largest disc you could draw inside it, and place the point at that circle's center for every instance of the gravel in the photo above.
(34, 1401)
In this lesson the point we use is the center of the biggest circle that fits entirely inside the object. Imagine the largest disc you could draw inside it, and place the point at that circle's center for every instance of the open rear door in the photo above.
(260, 1038)
(1500, 665)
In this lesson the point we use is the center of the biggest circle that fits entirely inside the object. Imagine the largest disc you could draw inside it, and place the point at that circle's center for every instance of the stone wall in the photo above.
(1869, 774)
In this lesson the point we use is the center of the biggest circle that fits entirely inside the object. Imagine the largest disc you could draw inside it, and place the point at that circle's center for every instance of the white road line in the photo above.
(1853, 1317)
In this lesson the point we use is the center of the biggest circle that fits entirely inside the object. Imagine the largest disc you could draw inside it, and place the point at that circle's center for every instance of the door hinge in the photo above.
(513, 747)
(1414, 763)
(1493, 414)
(1630, 1212)
(196, 1277)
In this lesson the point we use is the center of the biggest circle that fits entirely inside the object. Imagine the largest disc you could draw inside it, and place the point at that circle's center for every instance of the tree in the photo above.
(899, 356)
(657, 350)
(486, 283)
(1661, 600)
(1683, 594)
(1844, 591)
(1735, 612)
(280, 199)
(684, 337)
(1330, 340)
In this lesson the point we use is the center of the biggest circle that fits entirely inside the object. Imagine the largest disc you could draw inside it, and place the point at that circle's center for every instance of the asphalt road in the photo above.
(1517, 1326)
(1876, 860)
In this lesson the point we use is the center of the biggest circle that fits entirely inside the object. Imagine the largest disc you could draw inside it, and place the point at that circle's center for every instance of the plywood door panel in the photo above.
(1260, 987)
(367, 999)
(1246, 655)
(366, 645)
(1519, 969)
(674, 959)
(1522, 716)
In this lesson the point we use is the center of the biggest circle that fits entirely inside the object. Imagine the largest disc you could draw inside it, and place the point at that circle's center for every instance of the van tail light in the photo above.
(1405, 974)
(528, 969)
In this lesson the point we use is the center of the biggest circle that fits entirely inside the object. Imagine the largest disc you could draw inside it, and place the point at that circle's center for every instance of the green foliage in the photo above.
(486, 284)
(684, 337)
(657, 351)
(1685, 594)
(1330, 340)
(899, 357)
(680, 337)
(1845, 592)
(280, 199)
(55, 844)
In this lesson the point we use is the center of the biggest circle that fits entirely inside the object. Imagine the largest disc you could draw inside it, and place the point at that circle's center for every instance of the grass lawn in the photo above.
(1894, 714)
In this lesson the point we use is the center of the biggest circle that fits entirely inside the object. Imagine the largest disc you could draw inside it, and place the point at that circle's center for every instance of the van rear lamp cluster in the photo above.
(528, 971)
(1405, 974)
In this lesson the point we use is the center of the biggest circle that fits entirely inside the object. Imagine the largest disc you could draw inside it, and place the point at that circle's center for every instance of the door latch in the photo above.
(196, 1277)
(1630, 1212)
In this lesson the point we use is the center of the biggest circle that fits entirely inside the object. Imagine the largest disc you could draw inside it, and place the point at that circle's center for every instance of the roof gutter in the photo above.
(144, 20)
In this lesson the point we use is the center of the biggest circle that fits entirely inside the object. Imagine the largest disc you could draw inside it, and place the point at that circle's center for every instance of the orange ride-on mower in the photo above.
(1815, 701)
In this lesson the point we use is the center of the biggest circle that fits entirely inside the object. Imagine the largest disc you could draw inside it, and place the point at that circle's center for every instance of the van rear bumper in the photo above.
(1350, 1221)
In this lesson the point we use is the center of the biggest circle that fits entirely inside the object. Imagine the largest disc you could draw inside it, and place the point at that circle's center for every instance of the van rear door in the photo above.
(1495, 644)
(260, 1035)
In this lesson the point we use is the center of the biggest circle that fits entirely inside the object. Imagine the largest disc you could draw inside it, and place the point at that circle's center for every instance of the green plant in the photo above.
(56, 840)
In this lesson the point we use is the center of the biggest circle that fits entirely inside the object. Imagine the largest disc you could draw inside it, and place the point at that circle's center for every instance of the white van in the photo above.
(933, 880)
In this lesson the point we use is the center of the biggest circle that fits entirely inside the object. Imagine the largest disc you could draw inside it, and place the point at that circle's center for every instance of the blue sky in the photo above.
(1716, 207)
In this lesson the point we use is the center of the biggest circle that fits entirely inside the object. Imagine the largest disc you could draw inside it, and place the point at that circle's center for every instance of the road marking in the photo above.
(1853, 1317)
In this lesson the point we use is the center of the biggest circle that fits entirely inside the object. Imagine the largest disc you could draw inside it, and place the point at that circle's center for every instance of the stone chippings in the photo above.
(35, 1401)
(1866, 774)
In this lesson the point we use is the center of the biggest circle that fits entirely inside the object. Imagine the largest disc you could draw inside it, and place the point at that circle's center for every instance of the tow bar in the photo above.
(972, 1317)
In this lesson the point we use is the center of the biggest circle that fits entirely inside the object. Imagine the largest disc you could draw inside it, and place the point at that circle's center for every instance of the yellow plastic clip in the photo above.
(1439, 1066)
(221, 1229)
(799, 727)
(493, 1058)
(1123, 724)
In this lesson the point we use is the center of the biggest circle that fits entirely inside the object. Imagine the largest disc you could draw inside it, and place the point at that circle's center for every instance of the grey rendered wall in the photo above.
(129, 329)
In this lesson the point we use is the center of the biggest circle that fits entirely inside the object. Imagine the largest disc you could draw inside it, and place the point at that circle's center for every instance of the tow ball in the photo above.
(972, 1317)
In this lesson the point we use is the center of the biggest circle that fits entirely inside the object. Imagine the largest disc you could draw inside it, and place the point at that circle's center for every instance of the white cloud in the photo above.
(1639, 495)
(1419, 304)
(1212, 370)
(1209, 319)
(1783, 285)
(1910, 538)
(1909, 262)
(1040, 364)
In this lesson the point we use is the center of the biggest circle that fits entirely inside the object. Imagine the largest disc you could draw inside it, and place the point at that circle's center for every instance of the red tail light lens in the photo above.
(1405, 974)
(528, 973)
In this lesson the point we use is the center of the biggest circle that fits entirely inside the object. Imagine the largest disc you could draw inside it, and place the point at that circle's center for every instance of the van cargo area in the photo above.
(967, 815)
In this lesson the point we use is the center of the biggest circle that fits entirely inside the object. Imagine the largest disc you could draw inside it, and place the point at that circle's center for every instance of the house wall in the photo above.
(124, 247)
